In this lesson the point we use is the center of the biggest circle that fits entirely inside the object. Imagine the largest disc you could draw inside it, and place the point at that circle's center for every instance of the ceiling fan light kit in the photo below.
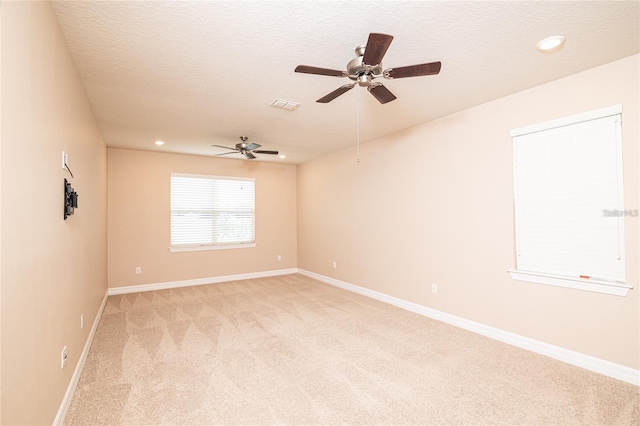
(367, 66)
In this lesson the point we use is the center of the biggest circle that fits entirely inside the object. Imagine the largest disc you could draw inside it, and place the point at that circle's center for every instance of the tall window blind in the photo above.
(569, 210)
(210, 210)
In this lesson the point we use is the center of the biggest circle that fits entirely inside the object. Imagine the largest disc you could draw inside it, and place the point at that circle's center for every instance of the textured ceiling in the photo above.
(200, 73)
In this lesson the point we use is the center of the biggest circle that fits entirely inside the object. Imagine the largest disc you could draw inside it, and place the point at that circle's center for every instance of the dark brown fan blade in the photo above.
(339, 91)
(377, 46)
(381, 93)
(248, 155)
(306, 69)
(431, 68)
(225, 147)
(252, 146)
(258, 151)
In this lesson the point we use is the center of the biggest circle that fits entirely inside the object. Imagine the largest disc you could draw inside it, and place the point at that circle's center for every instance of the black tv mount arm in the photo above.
(70, 199)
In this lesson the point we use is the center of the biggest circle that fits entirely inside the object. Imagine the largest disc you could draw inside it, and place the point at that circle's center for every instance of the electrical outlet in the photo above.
(65, 159)
(434, 288)
(279, 257)
(335, 264)
(81, 321)
(63, 357)
(138, 270)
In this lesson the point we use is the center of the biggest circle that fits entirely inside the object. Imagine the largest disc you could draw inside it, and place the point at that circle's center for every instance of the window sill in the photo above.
(598, 286)
(178, 249)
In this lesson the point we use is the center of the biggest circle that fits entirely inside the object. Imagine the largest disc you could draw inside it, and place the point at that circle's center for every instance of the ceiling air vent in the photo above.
(288, 105)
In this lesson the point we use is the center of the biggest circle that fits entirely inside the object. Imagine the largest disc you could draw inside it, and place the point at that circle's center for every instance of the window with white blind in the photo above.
(569, 210)
(209, 212)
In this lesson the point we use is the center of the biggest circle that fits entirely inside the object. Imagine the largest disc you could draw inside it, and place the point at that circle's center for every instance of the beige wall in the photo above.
(0, 213)
(52, 270)
(139, 218)
(434, 204)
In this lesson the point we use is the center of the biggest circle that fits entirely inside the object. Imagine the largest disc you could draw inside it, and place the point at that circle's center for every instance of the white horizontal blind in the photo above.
(208, 210)
(568, 180)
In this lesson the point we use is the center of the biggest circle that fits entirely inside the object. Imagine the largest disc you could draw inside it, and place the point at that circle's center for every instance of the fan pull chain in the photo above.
(358, 127)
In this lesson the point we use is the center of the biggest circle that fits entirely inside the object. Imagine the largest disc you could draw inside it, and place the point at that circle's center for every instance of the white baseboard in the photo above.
(199, 281)
(587, 362)
(71, 389)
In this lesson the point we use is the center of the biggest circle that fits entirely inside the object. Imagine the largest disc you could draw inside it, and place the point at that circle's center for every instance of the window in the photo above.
(209, 212)
(569, 212)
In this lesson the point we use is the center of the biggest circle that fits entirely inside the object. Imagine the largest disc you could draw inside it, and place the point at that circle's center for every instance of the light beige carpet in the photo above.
(291, 350)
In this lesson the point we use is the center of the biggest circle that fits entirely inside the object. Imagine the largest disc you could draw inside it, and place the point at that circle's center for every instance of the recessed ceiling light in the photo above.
(551, 43)
(282, 156)
(159, 143)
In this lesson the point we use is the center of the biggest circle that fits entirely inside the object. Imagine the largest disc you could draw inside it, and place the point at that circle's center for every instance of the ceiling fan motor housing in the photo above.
(242, 145)
(363, 73)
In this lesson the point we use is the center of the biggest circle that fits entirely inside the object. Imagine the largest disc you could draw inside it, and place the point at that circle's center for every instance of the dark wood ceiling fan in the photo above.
(367, 66)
